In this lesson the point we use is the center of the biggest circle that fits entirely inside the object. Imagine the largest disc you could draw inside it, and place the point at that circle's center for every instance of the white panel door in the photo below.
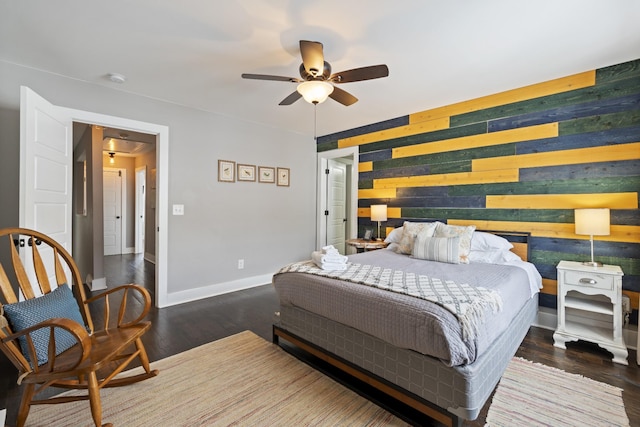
(46, 159)
(112, 199)
(337, 205)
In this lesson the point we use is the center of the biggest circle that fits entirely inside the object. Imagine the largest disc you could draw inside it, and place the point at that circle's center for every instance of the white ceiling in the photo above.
(439, 52)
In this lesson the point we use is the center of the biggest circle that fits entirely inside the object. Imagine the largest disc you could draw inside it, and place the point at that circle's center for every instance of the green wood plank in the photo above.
(584, 185)
(614, 89)
(600, 123)
(626, 70)
(517, 215)
(438, 135)
(326, 146)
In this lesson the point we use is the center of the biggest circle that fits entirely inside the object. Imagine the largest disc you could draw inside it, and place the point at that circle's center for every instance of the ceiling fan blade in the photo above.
(312, 57)
(269, 77)
(342, 96)
(359, 74)
(291, 98)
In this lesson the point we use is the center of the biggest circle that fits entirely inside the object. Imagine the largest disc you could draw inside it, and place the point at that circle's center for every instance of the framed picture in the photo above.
(246, 172)
(283, 177)
(266, 174)
(226, 171)
(368, 233)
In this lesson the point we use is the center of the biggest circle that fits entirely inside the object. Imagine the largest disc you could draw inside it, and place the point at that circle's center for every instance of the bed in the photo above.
(416, 349)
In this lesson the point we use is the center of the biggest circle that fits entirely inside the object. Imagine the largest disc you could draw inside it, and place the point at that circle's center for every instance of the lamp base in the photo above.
(593, 263)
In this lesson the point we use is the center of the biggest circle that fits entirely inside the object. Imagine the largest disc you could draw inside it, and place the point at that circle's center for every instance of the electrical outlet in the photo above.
(240, 264)
(178, 209)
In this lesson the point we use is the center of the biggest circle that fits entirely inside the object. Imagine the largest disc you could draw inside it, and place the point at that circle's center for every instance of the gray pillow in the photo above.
(441, 249)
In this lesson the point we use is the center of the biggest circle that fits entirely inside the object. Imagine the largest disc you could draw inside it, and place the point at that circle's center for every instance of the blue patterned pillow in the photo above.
(58, 303)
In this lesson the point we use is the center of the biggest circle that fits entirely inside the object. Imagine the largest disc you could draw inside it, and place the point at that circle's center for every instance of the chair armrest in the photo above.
(125, 290)
(76, 330)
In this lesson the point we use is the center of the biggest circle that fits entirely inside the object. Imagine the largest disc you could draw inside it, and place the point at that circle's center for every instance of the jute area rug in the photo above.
(532, 394)
(240, 380)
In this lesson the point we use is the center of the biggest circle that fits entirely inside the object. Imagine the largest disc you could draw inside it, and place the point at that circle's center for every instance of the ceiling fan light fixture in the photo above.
(315, 91)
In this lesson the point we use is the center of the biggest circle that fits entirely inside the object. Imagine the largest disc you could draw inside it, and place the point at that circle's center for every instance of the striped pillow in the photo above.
(441, 249)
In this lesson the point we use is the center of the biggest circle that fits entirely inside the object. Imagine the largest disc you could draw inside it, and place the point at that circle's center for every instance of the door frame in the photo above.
(162, 186)
(321, 192)
(123, 206)
(141, 190)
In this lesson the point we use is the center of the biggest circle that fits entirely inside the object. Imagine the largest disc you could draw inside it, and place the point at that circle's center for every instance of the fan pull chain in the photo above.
(315, 123)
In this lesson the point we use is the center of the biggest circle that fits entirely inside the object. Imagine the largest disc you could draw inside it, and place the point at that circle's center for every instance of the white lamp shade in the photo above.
(315, 91)
(593, 222)
(378, 212)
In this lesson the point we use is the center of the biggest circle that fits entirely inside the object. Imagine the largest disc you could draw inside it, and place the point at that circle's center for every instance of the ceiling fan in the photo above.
(317, 83)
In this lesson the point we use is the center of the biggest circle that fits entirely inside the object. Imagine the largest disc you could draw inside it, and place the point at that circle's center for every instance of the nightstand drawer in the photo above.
(589, 280)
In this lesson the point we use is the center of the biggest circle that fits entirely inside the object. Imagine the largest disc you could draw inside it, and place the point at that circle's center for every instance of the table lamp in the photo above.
(592, 222)
(379, 213)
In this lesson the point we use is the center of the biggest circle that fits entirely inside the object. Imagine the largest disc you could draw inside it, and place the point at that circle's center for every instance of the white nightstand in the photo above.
(591, 295)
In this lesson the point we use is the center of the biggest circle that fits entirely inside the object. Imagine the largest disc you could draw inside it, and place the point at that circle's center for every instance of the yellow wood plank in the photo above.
(607, 153)
(529, 133)
(619, 233)
(634, 297)
(377, 193)
(550, 87)
(397, 132)
(563, 201)
(391, 213)
(365, 166)
(549, 286)
(458, 178)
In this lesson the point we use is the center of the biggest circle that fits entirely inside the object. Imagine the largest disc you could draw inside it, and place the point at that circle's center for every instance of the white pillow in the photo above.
(463, 232)
(409, 233)
(395, 235)
(485, 257)
(493, 257)
(481, 241)
(441, 249)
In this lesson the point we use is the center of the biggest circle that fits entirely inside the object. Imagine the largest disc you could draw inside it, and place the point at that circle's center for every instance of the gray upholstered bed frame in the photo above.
(448, 395)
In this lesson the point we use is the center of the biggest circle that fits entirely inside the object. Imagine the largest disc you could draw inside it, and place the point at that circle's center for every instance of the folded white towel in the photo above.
(332, 265)
(319, 258)
(330, 250)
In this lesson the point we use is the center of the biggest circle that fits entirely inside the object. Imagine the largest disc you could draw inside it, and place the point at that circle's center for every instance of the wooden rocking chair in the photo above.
(63, 349)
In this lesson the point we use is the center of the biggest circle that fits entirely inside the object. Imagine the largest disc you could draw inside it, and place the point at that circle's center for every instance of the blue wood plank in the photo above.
(440, 202)
(396, 172)
(374, 156)
(375, 127)
(582, 140)
(569, 112)
(423, 191)
(582, 247)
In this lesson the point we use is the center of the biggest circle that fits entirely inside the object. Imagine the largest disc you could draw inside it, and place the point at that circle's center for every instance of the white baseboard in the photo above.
(150, 257)
(98, 284)
(128, 250)
(548, 319)
(217, 289)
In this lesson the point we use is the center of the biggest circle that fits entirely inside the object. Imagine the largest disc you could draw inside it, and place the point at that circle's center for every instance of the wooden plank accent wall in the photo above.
(520, 160)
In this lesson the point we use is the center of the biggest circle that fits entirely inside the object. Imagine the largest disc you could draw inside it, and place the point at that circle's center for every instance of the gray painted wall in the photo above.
(266, 225)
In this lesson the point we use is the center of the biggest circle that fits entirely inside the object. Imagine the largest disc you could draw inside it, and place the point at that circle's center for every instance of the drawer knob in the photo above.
(587, 281)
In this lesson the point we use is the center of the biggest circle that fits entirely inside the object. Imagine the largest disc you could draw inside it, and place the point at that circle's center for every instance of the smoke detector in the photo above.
(116, 78)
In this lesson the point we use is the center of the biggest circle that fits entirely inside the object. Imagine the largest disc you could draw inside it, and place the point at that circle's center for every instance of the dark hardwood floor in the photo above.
(179, 328)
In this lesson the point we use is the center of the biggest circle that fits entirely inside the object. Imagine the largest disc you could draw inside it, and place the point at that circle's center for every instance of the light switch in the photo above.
(178, 209)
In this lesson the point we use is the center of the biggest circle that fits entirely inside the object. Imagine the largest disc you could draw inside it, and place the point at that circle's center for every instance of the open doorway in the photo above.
(337, 189)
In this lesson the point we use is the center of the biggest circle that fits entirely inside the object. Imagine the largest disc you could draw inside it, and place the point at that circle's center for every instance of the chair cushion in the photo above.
(58, 303)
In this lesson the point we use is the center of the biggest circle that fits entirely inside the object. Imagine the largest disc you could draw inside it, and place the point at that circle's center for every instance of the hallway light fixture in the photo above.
(379, 213)
(315, 91)
(112, 157)
(592, 222)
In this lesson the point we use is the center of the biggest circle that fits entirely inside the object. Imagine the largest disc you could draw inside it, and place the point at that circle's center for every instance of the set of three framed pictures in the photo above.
(228, 171)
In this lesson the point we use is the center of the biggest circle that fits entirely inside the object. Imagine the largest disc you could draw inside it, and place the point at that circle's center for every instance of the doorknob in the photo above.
(117, 217)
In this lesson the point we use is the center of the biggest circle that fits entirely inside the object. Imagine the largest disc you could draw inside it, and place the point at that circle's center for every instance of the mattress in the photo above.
(407, 322)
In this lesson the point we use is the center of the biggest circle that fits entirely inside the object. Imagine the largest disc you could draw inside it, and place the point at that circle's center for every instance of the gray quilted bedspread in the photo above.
(405, 321)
